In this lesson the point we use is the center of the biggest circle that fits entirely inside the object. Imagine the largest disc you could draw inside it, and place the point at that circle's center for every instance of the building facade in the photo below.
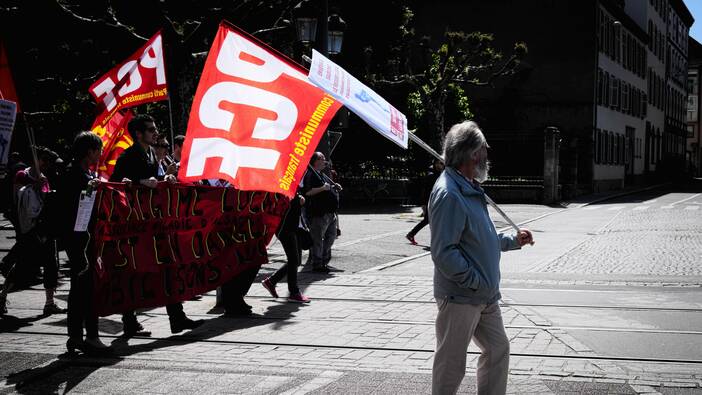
(611, 75)
(693, 155)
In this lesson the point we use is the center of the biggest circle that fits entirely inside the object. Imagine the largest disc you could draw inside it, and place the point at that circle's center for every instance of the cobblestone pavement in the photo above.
(370, 329)
(641, 239)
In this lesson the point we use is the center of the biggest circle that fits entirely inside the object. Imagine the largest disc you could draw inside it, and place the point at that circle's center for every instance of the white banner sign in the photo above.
(360, 99)
(8, 112)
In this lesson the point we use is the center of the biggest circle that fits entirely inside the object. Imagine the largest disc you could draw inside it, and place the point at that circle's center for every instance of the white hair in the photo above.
(461, 143)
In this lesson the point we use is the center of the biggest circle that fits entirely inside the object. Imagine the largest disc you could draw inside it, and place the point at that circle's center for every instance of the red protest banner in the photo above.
(256, 119)
(168, 244)
(115, 139)
(139, 79)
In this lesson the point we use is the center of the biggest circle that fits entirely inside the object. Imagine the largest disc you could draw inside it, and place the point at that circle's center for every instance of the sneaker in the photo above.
(298, 298)
(268, 284)
(411, 239)
(53, 308)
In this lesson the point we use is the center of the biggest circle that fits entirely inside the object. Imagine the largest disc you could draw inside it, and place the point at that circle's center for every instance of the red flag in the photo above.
(255, 119)
(7, 87)
(139, 79)
(115, 139)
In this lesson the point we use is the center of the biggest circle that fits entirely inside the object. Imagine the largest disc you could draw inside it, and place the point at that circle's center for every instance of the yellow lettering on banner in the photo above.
(304, 141)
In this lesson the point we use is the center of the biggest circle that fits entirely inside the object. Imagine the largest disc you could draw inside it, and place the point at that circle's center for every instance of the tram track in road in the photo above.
(540, 327)
(184, 339)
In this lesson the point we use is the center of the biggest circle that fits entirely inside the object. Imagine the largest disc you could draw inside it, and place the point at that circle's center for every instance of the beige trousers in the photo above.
(456, 324)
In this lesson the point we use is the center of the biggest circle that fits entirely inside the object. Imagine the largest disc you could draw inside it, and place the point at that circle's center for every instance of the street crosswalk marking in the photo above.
(640, 208)
(692, 207)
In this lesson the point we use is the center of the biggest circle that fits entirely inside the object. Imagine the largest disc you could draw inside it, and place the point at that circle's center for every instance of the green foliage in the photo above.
(437, 95)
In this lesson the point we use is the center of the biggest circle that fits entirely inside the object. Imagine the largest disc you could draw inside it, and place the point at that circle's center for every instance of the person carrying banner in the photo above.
(9, 194)
(34, 243)
(465, 249)
(138, 165)
(287, 234)
(427, 184)
(322, 194)
(162, 149)
(87, 148)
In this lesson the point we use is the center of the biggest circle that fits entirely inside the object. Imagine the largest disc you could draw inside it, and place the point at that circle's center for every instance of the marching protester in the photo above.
(138, 165)
(288, 236)
(465, 249)
(162, 149)
(427, 184)
(177, 150)
(323, 201)
(35, 244)
(87, 148)
(9, 195)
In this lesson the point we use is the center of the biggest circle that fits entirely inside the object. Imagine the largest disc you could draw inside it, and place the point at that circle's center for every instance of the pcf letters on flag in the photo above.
(255, 119)
(140, 79)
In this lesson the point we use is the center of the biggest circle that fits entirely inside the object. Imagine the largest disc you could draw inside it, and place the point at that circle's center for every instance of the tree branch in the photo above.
(116, 23)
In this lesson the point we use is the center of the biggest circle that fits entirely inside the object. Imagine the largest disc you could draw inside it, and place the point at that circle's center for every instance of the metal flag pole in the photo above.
(170, 116)
(492, 203)
(32, 144)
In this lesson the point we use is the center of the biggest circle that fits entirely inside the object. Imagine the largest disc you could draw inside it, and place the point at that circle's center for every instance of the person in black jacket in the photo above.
(287, 234)
(427, 184)
(87, 148)
(138, 164)
(323, 200)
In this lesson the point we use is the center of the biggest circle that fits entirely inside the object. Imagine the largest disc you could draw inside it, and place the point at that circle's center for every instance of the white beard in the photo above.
(481, 171)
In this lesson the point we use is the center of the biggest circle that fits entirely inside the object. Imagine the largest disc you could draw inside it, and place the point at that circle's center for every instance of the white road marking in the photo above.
(667, 207)
(325, 378)
(369, 238)
(650, 201)
(592, 207)
(686, 199)
(692, 207)
(640, 208)
(615, 208)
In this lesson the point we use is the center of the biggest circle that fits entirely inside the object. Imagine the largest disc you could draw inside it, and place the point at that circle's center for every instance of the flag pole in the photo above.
(170, 116)
(435, 154)
(32, 144)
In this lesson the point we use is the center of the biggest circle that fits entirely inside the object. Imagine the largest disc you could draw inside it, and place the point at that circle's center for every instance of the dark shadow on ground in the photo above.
(55, 375)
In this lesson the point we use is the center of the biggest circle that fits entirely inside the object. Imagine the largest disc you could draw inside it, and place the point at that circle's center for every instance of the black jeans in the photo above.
(294, 255)
(234, 290)
(32, 250)
(424, 222)
(81, 312)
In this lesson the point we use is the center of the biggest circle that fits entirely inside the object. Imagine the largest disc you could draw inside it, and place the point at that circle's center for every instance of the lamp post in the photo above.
(316, 28)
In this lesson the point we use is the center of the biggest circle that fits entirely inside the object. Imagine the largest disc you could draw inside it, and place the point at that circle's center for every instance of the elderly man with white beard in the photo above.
(465, 248)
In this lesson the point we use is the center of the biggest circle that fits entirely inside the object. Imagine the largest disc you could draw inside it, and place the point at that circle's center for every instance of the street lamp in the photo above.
(305, 21)
(310, 14)
(335, 37)
(308, 18)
